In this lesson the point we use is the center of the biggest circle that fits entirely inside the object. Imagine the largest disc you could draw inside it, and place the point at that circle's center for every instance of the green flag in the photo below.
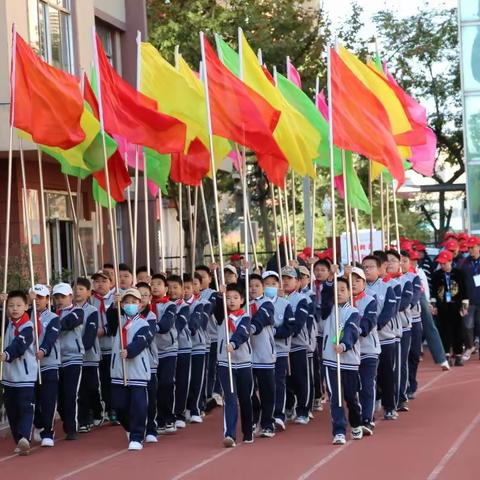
(158, 168)
(100, 195)
(356, 196)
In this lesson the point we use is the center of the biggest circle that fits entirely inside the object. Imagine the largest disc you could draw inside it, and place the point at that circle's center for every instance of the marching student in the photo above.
(142, 275)
(262, 314)
(198, 321)
(237, 345)
(130, 398)
(102, 299)
(125, 277)
(284, 321)
(167, 345)
(369, 347)
(386, 309)
(71, 352)
(109, 270)
(231, 274)
(90, 409)
(346, 350)
(182, 372)
(48, 354)
(147, 315)
(298, 382)
(20, 370)
(304, 276)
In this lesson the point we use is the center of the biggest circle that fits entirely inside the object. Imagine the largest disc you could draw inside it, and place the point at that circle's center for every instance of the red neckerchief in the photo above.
(101, 299)
(156, 301)
(231, 319)
(412, 270)
(19, 322)
(358, 297)
(39, 323)
(253, 308)
(125, 329)
(391, 276)
(180, 301)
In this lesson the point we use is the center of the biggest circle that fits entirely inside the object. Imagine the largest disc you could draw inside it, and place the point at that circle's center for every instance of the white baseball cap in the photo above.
(231, 268)
(270, 273)
(358, 271)
(40, 290)
(62, 289)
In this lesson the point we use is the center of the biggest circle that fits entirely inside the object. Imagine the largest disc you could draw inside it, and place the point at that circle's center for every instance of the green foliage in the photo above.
(18, 277)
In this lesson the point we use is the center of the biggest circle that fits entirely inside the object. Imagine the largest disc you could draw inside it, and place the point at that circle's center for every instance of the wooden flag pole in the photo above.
(282, 225)
(190, 222)
(135, 214)
(26, 218)
(147, 216)
(215, 200)
(194, 236)
(357, 235)
(370, 199)
(109, 200)
(395, 215)
(287, 223)
(275, 230)
(130, 220)
(180, 228)
(44, 220)
(101, 239)
(334, 230)
(347, 222)
(294, 218)
(209, 234)
(162, 230)
(387, 199)
(382, 211)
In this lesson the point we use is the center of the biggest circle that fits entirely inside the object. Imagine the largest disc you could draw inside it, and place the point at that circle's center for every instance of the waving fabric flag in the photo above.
(48, 103)
(293, 75)
(134, 116)
(360, 123)
(243, 116)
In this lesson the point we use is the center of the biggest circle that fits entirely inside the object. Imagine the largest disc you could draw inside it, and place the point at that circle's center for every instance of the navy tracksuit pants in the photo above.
(152, 405)
(242, 395)
(19, 405)
(106, 381)
(281, 370)
(197, 381)
(404, 352)
(368, 387)
(213, 382)
(166, 390)
(89, 402)
(182, 381)
(263, 399)
(319, 377)
(397, 369)
(385, 377)
(68, 385)
(414, 356)
(298, 383)
(131, 405)
(311, 380)
(46, 396)
(350, 388)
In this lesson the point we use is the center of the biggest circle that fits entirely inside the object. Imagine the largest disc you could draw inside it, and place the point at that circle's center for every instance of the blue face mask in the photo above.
(270, 292)
(131, 309)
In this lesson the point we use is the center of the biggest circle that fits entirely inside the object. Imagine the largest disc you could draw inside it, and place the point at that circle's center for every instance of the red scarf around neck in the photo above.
(101, 299)
(358, 297)
(231, 319)
(391, 276)
(19, 322)
(126, 327)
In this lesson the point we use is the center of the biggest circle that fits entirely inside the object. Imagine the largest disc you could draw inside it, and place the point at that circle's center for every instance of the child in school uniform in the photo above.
(49, 355)
(20, 370)
(236, 343)
(182, 371)
(102, 298)
(71, 352)
(167, 345)
(90, 409)
(262, 312)
(298, 382)
(284, 321)
(150, 317)
(130, 363)
(345, 349)
(198, 321)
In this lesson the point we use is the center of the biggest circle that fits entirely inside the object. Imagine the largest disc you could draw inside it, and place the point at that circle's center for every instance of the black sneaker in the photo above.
(71, 436)
(390, 415)
(368, 427)
(402, 407)
(84, 429)
(458, 361)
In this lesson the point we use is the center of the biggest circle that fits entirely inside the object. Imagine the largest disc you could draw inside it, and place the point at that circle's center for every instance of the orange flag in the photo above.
(46, 102)
(360, 122)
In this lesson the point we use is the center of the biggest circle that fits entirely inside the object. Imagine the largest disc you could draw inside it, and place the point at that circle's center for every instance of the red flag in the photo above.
(360, 122)
(47, 102)
(241, 115)
(134, 116)
(191, 167)
(118, 176)
(90, 97)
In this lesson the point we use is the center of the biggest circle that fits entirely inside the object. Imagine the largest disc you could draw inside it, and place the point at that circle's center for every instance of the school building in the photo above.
(61, 32)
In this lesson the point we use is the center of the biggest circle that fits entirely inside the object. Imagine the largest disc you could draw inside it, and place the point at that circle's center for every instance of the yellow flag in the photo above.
(296, 137)
(178, 95)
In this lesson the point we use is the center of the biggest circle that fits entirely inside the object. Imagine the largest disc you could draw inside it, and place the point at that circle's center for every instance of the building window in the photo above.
(50, 30)
(109, 38)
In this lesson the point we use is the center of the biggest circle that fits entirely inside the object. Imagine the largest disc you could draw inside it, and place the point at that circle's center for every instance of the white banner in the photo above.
(363, 244)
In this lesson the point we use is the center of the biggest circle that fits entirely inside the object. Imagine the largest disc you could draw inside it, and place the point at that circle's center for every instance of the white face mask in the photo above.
(131, 309)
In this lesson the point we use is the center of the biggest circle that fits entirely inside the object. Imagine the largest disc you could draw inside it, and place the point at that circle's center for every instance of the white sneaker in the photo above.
(170, 428)
(23, 446)
(311, 416)
(357, 433)
(135, 446)
(218, 399)
(445, 366)
(196, 419)
(467, 354)
(47, 442)
(98, 422)
(150, 439)
(317, 405)
(187, 415)
(339, 439)
(36, 434)
(302, 420)
(280, 424)
(180, 424)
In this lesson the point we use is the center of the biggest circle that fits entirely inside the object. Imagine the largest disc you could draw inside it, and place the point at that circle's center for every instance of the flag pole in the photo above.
(282, 225)
(215, 199)
(357, 235)
(109, 200)
(209, 233)
(334, 231)
(190, 224)
(275, 229)
(382, 210)
(370, 199)
(9, 193)
(387, 199)
(294, 218)
(30, 253)
(100, 231)
(180, 228)
(347, 221)
(395, 214)
(194, 236)
(287, 222)
(135, 214)
(44, 219)
(130, 217)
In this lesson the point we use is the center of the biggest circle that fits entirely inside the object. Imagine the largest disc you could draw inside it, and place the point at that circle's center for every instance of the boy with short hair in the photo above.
(49, 356)
(262, 314)
(131, 363)
(142, 275)
(345, 350)
(20, 370)
(237, 345)
(89, 402)
(71, 350)
(125, 277)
